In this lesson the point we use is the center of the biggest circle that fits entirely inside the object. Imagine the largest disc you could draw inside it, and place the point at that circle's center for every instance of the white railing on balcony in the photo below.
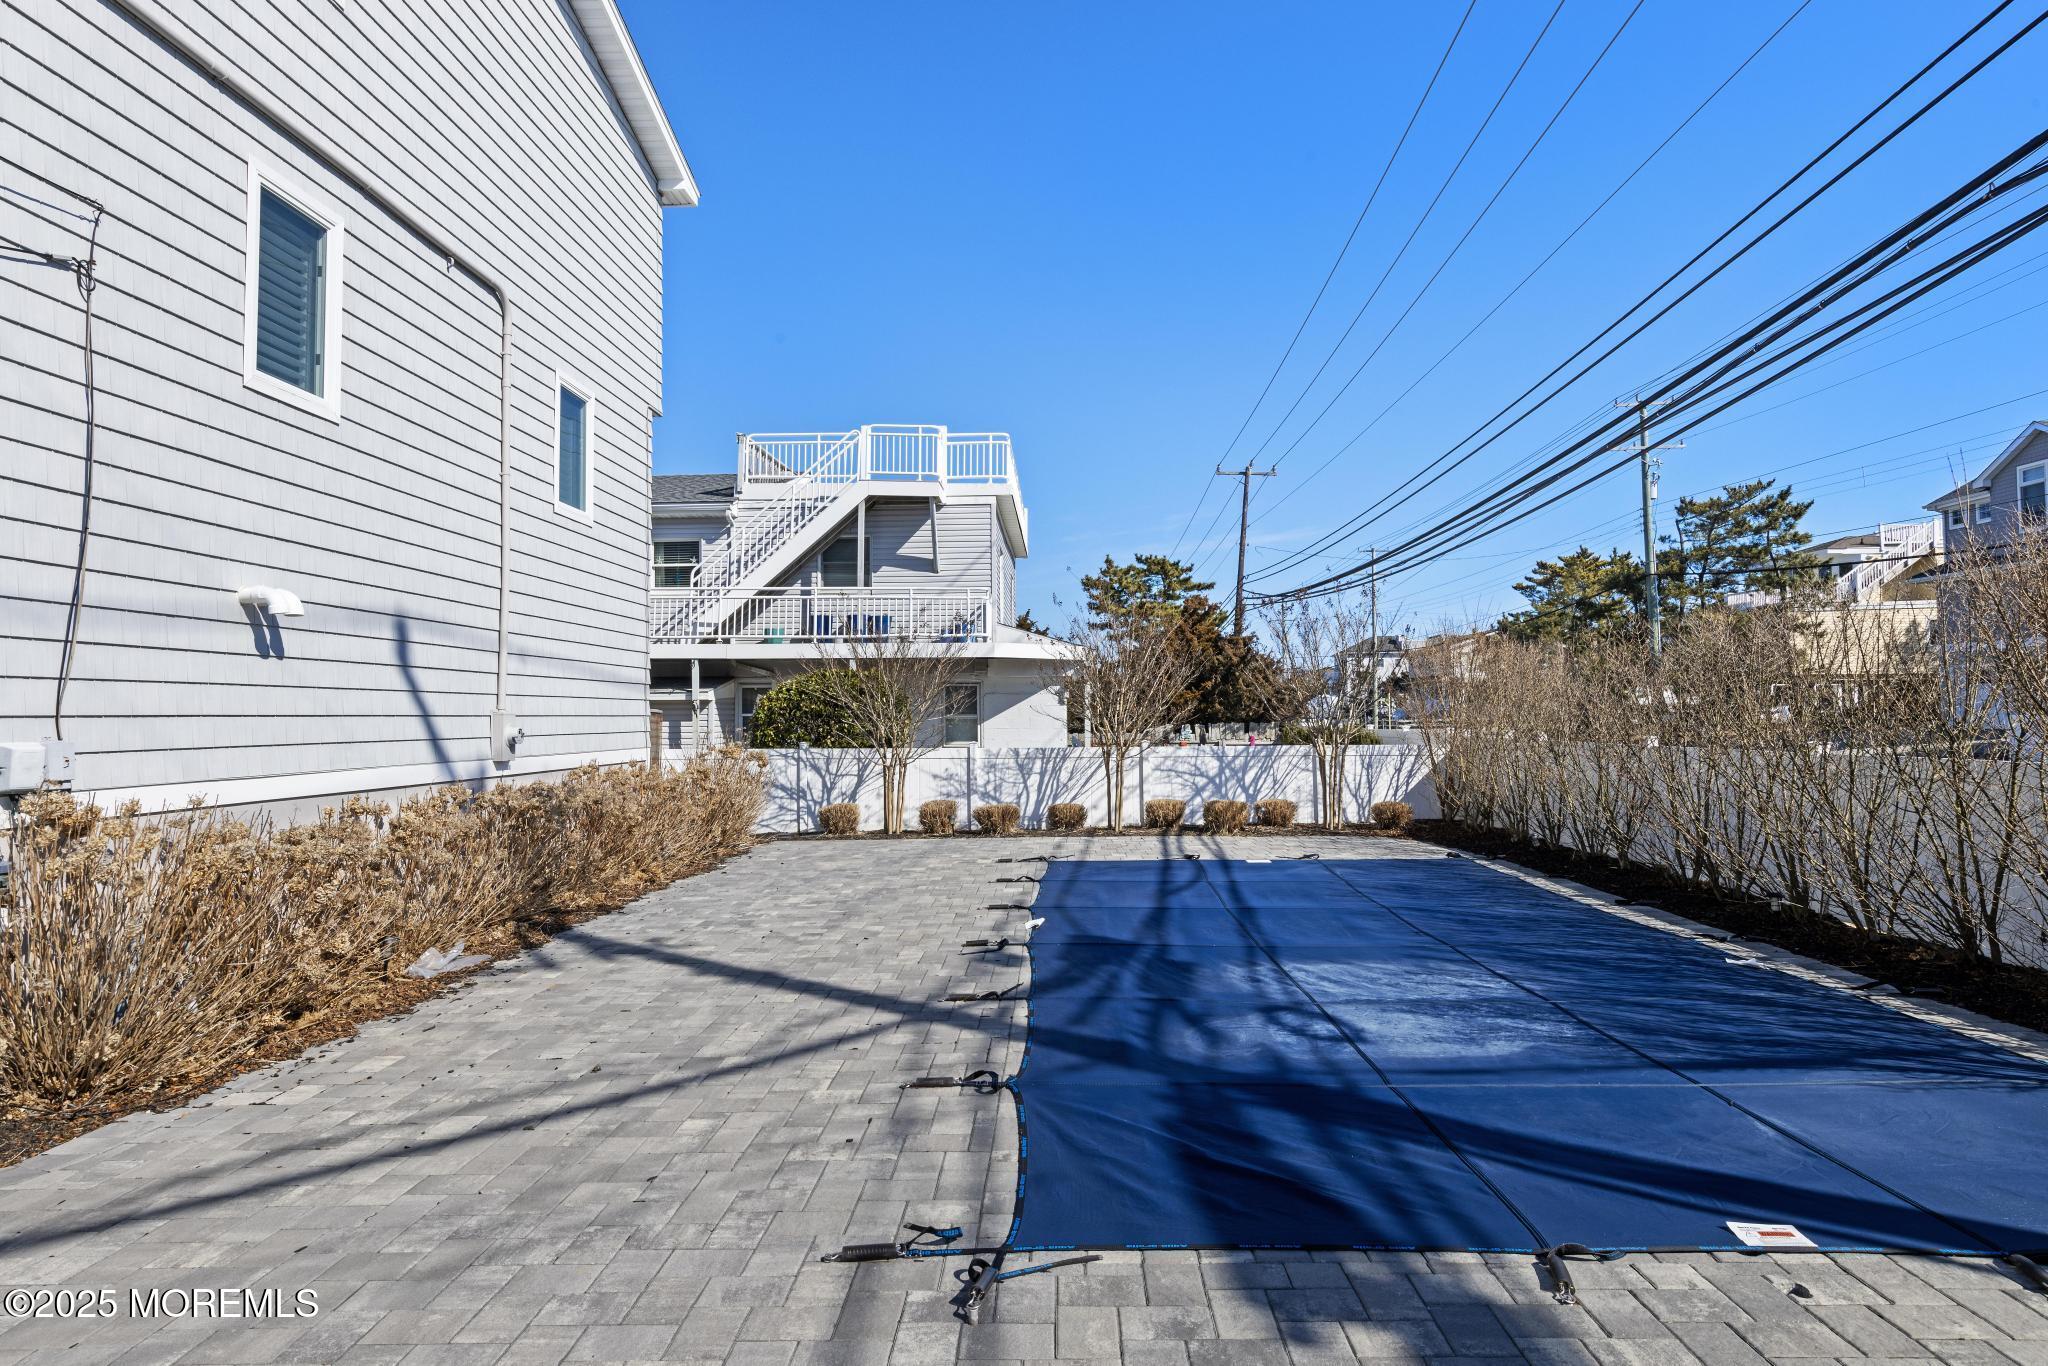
(1901, 545)
(905, 454)
(815, 616)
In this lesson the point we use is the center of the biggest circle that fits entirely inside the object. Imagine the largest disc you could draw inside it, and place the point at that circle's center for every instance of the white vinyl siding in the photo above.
(487, 120)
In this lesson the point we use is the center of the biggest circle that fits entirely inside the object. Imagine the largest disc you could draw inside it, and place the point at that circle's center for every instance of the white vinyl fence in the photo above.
(802, 780)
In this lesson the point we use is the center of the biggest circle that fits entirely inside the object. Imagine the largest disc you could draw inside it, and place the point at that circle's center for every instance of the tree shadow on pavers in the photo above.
(140, 1209)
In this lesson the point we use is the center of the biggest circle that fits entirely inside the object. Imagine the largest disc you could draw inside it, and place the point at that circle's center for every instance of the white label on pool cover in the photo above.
(1769, 1235)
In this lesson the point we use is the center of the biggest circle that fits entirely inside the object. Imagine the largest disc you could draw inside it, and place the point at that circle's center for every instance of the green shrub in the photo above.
(1275, 812)
(998, 818)
(1223, 818)
(1393, 816)
(1164, 813)
(803, 711)
(938, 818)
(840, 818)
(1066, 816)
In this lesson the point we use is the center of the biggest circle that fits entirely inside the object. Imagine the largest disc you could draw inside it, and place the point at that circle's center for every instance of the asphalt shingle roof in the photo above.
(693, 488)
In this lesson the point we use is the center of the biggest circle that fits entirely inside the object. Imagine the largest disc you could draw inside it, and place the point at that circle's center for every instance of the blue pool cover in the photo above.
(1422, 1052)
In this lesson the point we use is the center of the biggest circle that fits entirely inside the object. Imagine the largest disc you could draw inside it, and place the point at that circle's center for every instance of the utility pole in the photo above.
(1244, 512)
(1373, 592)
(1652, 608)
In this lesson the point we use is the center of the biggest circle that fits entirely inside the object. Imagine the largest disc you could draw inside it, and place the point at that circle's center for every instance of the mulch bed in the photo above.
(2017, 995)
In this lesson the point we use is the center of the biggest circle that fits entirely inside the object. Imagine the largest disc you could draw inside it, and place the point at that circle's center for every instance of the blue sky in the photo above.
(1096, 227)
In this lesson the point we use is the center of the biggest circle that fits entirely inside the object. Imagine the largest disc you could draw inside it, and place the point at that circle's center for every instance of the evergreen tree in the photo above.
(1027, 622)
(1149, 584)
(1581, 594)
(1746, 538)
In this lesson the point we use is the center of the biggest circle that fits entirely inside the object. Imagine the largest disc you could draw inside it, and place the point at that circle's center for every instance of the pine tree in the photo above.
(1746, 538)
(1581, 594)
(1150, 584)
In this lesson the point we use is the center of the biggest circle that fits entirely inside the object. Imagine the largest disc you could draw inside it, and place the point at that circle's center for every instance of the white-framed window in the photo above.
(2034, 488)
(962, 720)
(1983, 513)
(1955, 519)
(750, 698)
(675, 563)
(292, 300)
(575, 415)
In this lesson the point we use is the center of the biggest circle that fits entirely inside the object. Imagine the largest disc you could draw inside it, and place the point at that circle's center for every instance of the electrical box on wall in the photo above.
(26, 765)
(505, 736)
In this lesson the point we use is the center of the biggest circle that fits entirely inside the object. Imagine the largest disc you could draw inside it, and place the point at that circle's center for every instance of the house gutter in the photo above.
(170, 31)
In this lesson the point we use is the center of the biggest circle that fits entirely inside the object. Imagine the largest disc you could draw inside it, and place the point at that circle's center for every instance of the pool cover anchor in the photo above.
(2029, 1267)
(1002, 995)
(1563, 1289)
(984, 1274)
(940, 1244)
(984, 1082)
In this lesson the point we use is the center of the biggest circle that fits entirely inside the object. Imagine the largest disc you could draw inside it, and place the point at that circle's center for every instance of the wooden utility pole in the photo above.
(1652, 607)
(1244, 478)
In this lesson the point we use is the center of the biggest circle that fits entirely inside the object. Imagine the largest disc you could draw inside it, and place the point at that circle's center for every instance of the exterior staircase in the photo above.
(1901, 545)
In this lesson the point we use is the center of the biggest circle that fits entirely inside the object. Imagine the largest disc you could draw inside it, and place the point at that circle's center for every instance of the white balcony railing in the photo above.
(891, 454)
(814, 616)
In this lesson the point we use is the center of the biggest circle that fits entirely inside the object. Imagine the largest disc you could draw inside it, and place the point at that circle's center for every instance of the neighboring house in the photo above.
(818, 540)
(1983, 513)
(1883, 603)
(375, 350)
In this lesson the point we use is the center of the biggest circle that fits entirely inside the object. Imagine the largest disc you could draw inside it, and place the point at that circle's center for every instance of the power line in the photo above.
(1548, 256)
(1342, 252)
(1391, 499)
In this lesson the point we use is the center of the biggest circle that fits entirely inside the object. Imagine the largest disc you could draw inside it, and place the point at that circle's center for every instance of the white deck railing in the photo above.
(894, 454)
(808, 616)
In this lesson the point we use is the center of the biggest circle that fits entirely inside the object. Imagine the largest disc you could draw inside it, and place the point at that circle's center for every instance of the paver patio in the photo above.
(633, 1143)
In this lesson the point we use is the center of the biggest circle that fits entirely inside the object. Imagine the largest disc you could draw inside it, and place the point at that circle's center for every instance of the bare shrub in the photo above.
(1275, 811)
(1395, 816)
(840, 818)
(1130, 677)
(1315, 689)
(1224, 817)
(938, 818)
(1165, 813)
(144, 955)
(1066, 816)
(894, 693)
(998, 818)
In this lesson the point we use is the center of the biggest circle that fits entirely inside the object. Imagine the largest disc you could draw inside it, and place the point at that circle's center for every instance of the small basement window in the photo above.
(292, 328)
(572, 447)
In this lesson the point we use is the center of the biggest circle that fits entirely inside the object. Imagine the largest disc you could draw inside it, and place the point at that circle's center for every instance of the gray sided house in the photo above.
(819, 540)
(375, 348)
(2011, 493)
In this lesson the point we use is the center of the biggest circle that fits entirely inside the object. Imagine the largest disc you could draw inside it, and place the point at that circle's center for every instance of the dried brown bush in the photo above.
(1275, 811)
(1165, 813)
(1066, 816)
(1393, 815)
(998, 818)
(146, 955)
(938, 818)
(1223, 818)
(840, 818)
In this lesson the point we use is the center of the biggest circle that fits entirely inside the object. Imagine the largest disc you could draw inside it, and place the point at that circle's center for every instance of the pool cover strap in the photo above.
(1553, 1259)
(984, 1081)
(985, 995)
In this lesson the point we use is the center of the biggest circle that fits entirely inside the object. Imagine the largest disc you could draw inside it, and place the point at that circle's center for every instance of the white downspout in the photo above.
(172, 33)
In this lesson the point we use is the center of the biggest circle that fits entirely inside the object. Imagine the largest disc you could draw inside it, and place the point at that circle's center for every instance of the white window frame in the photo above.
(1983, 513)
(742, 713)
(1957, 519)
(947, 717)
(585, 390)
(327, 213)
(656, 566)
(2019, 484)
